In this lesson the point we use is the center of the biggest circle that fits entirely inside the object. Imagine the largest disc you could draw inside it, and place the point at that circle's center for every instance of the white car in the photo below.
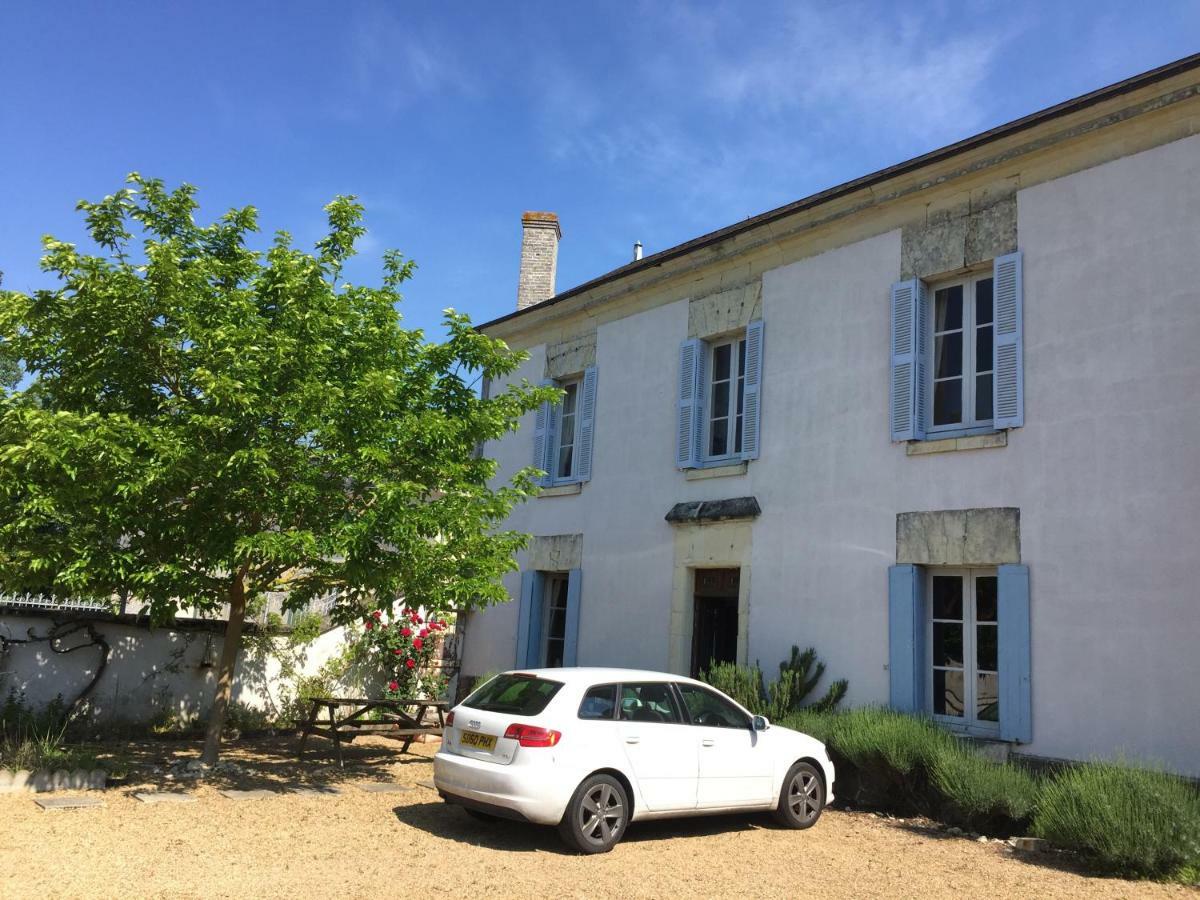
(591, 750)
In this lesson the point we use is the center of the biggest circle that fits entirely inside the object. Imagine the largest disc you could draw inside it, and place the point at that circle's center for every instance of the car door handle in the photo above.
(707, 742)
(632, 740)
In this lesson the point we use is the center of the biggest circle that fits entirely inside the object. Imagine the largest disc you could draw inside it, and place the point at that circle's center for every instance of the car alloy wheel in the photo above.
(596, 816)
(802, 798)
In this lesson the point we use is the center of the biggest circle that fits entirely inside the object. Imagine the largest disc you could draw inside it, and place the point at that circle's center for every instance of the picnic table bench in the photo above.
(400, 719)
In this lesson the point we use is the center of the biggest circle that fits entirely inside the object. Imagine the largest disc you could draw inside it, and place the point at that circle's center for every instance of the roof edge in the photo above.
(1058, 110)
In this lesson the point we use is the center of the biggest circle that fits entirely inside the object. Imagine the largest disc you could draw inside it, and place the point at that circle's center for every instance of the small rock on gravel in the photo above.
(1030, 844)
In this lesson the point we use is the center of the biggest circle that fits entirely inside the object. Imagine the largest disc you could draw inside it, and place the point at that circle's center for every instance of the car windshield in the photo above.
(522, 695)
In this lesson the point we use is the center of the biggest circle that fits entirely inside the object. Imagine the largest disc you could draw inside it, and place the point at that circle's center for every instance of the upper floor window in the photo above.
(567, 432)
(563, 432)
(720, 386)
(727, 397)
(961, 367)
(956, 354)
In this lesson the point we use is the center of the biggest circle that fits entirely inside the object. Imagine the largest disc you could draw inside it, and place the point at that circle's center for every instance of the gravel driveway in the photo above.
(410, 844)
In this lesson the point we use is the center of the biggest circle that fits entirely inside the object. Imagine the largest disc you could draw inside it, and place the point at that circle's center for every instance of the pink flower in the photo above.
(395, 685)
(406, 631)
(418, 643)
(424, 632)
(397, 651)
(370, 624)
(409, 663)
(376, 615)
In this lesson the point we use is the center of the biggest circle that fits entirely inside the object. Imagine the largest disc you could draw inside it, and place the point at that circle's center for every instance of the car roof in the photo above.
(577, 675)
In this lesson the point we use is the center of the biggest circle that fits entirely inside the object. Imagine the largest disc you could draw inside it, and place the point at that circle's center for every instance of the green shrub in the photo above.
(980, 794)
(36, 738)
(908, 765)
(798, 677)
(743, 683)
(1129, 820)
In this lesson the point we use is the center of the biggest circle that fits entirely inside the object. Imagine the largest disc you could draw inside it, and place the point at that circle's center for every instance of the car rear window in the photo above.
(521, 695)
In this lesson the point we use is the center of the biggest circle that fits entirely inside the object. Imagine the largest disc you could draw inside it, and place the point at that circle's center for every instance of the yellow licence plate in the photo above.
(477, 740)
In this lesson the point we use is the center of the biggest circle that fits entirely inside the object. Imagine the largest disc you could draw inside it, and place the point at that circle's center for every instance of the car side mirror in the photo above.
(760, 723)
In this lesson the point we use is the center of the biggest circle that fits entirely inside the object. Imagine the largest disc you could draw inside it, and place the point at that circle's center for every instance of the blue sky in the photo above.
(656, 121)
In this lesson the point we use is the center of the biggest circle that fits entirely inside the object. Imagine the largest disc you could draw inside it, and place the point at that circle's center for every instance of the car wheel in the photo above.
(802, 797)
(596, 816)
(480, 815)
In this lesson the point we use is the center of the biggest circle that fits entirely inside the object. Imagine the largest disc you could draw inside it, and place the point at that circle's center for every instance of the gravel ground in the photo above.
(406, 844)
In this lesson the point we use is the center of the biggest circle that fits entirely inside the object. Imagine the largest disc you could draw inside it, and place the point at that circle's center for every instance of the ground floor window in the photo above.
(963, 640)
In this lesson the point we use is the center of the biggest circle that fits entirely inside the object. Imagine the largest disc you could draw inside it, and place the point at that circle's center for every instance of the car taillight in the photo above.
(449, 718)
(532, 735)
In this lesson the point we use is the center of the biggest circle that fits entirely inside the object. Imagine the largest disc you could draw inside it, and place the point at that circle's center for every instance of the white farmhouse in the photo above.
(941, 423)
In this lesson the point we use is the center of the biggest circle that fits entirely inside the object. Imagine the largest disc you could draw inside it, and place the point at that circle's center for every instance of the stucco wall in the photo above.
(150, 671)
(1105, 473)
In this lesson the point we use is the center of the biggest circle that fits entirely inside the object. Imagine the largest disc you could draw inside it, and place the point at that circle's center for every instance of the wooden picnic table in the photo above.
(400, 719)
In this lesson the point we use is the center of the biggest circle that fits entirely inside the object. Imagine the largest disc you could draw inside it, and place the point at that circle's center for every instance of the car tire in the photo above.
(596, 816)
(802, 797)
(480, 816)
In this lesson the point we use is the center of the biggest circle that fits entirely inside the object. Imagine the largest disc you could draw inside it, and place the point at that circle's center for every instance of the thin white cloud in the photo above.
(728, 114)
(395, 61)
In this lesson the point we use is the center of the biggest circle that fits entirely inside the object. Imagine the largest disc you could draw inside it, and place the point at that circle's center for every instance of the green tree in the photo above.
(202, 422)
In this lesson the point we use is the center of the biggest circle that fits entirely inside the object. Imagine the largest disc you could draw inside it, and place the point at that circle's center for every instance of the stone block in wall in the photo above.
(725, 310)
(971, 229)
(988, 536)
(571, 356)
(556, 552)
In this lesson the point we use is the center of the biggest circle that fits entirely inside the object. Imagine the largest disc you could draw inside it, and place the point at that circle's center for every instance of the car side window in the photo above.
(600, 702)
(648, 702)
(707, 708)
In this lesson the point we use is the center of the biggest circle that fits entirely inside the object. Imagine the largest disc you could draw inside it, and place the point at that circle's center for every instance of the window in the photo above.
(961, 343)
(956, 354)
(964, 648)
(720, 385)
(600, 702)
(564, 431)
(727, 397)
(707, 708)
(567, 432)
(548, 619)
(648, 702)
(522, 695)
(554, 620)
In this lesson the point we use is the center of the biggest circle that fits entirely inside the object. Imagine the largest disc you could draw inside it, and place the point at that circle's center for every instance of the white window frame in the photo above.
(969, 424)
(576, 423)
(736, 375)
(968, 722)
(549, 581)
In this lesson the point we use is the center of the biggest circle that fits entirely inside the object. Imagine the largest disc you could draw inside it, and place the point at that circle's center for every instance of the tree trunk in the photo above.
(229, 657)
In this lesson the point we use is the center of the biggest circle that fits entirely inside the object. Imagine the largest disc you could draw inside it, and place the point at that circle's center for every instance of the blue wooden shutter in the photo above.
(543, 440)
(1016, 696)
(529, 622)
(906, 363)
(907, 656)
(687, 422)
(752, 405)
(571, 643)
(587, 413)
(1008, 383)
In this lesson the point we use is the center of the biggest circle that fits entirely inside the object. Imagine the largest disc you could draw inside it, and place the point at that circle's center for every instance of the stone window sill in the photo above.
(738, 468)
(561, 490)
(945, 445)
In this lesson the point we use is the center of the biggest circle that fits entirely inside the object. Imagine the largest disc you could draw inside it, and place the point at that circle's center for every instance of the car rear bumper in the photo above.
(513, 792)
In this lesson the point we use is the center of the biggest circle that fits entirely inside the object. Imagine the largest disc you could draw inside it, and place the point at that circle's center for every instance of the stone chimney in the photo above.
(539, 258)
